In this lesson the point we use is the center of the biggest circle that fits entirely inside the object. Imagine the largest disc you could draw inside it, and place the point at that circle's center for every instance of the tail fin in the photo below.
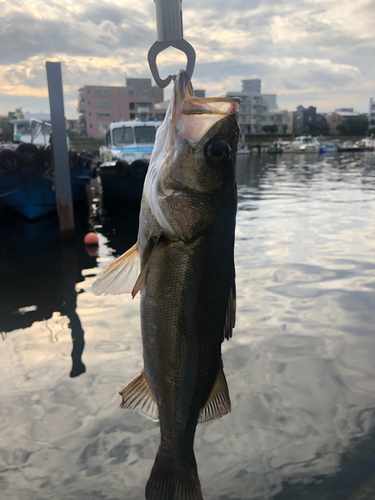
(172, 481)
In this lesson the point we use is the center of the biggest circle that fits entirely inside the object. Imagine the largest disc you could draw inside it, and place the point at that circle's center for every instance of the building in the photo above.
(371, 114)
(161, 110)
(199, 93)
(252, 86)
(99, 106)
(344, 116)
(258, 110)
(306, 121)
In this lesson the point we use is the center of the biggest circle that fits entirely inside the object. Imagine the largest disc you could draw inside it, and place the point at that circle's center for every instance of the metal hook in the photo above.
(158, 47)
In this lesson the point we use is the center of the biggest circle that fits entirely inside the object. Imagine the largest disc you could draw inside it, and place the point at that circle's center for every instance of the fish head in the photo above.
(191, 176)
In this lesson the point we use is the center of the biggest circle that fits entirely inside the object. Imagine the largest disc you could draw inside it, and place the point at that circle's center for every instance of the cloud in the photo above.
(318, 48)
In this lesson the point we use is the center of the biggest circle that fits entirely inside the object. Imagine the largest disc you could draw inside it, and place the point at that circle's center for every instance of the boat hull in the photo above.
(123, 182)
(31, 192)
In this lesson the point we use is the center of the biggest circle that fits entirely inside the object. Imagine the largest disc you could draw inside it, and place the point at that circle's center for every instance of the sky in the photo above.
(316, 52)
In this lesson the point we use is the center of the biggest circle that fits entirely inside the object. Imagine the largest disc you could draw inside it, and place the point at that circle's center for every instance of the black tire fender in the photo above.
(29, 152)
(11, 161)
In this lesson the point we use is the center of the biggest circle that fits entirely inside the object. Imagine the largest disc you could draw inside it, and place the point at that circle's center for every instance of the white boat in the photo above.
(129, 141)
(302, 144)
(125, 158)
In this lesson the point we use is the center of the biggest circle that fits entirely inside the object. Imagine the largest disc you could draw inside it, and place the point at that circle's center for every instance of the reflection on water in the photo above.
(299, 366)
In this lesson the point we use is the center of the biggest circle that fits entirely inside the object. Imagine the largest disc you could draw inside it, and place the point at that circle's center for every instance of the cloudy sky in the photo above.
(316, 52)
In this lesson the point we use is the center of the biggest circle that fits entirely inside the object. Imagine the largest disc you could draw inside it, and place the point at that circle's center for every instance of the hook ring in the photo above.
(158, 47)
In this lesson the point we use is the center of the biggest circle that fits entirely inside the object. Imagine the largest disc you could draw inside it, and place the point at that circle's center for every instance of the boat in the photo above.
(125, 158)
(302, 144)
(243, 150)
(357, 147)
(275, 148)
(27, 171)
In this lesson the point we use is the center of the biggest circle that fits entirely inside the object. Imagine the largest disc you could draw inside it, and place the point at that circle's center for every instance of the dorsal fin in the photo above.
(136, 396)
(120, 276)
(230, 318)
(218, 403)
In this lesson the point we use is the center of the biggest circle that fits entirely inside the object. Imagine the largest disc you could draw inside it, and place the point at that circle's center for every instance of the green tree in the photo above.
(248, 128)
(284, 128)
(359, 125)
(6, 130)
(14, 114)
(266, 129)
(273, 129)
(322, 128)
(342, 129)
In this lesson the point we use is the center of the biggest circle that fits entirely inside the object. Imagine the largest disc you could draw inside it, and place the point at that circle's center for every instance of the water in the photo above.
(300, 366)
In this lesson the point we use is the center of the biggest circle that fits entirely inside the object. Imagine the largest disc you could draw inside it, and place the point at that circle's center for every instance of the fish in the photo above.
(183, 265)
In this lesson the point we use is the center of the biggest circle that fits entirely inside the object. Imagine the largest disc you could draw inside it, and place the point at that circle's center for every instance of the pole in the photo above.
(60, 151)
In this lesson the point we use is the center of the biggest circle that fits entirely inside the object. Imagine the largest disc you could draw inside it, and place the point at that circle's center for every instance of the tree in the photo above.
(266, 129)
(273, 129)
(359, 125)
(322, 128)
(342, 129)
(248, 128)
(12, 115)
(284, 128)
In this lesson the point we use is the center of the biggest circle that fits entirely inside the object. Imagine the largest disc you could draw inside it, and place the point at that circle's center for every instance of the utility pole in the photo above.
(60, 151)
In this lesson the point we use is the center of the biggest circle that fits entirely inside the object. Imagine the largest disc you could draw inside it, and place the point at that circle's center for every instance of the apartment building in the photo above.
(306, 121)
(343, 116)
(257, 110)
(371, 114)
(99, 106)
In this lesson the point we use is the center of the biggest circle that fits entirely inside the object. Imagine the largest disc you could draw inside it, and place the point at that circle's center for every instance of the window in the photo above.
(131, 105)
(132, 116)
(107, 139)
(102, 92)
(103, 115)
(103, 104)
(145, 135)
(122, 136)
(131, 92)
(89, 114)
(90, 125)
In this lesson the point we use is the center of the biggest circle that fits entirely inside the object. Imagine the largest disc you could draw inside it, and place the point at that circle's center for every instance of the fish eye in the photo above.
(216, 152)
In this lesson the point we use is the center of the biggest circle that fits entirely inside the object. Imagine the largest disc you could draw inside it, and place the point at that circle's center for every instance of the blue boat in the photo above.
(27, 172)
(27, 179)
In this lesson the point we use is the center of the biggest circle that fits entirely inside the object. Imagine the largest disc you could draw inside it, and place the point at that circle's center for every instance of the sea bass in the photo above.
(183, 263)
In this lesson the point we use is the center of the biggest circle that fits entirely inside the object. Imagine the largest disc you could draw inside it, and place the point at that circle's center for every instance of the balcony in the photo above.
(143, 111)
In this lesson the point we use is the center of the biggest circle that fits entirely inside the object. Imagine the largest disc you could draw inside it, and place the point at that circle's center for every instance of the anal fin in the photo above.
(218, 403)
(136, 396)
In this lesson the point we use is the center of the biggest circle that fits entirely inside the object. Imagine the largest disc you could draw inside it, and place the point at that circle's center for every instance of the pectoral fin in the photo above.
(230, 318)
(146, 259)
(218, 403)
(136, 396)
(120, 276)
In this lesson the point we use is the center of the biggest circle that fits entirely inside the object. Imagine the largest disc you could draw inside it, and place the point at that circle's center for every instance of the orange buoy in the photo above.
(91, 239)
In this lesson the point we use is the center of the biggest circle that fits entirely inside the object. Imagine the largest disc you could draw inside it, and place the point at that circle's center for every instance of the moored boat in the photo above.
(27, 178)
(125, 159)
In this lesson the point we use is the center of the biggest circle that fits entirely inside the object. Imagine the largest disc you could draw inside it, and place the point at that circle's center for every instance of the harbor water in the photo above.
(300, 366)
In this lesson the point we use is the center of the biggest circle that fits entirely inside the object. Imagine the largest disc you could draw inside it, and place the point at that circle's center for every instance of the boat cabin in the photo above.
(129, 140)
